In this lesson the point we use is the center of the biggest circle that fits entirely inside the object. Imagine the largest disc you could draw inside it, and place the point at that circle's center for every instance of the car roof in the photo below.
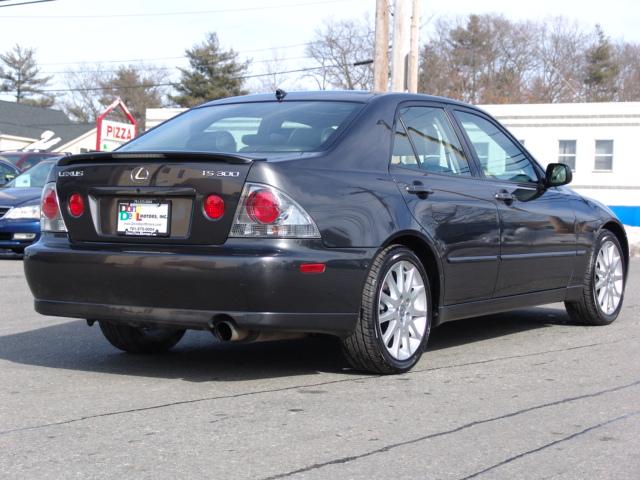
(360, 96)
(7, 162)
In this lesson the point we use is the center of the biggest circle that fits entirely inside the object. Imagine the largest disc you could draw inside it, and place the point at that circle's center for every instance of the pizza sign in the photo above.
(112, 134)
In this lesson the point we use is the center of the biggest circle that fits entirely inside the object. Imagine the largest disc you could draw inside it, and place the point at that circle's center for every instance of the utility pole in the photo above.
(412, 74)
(401, 46)
(381, 58)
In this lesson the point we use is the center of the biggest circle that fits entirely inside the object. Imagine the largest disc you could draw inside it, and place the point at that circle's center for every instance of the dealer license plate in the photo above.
(148, 218)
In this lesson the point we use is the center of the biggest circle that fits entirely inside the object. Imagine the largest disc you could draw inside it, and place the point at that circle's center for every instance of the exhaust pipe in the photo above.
(227, 331)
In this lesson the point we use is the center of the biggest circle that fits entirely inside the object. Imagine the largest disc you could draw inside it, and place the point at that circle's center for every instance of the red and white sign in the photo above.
(112, 134)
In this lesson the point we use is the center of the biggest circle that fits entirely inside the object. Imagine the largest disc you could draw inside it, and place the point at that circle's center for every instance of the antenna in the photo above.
(280, 94)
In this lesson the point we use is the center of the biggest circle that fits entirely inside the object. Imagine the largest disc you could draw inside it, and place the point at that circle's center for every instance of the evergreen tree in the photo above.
(213, 73)
(138, 89)
(601, 71)
(20, 75)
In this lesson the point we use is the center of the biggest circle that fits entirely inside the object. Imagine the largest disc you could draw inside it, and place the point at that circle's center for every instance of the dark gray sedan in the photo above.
(371, 217)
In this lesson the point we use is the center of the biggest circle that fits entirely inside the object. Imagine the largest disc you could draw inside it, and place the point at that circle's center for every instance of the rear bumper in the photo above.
(257, 283)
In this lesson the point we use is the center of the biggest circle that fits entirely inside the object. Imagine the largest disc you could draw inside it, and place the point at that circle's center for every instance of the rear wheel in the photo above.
(603, 284)
(140, 339)
(395, 318)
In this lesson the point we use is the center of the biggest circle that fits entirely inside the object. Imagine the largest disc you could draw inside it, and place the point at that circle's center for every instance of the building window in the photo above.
(604, 155)
(567, 153)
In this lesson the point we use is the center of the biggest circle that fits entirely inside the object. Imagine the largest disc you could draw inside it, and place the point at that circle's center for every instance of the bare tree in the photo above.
(272, 76)
(82, 103)
(483, 58)
(336, 47)
(92, 88)
(628, 55)
(559, 51)
(489, 59)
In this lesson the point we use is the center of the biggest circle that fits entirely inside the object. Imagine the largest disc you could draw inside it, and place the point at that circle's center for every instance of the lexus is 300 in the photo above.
(370, 217)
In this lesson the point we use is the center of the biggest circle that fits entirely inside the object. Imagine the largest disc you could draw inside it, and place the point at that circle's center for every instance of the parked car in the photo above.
(24, 160)
(372, 217)
(20, 207)
(8, 171)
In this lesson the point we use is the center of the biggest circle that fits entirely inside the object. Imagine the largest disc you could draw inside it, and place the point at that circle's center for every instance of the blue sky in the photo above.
(67, 32)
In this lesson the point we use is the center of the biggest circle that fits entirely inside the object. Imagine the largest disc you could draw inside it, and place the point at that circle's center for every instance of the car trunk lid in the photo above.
(151, 197)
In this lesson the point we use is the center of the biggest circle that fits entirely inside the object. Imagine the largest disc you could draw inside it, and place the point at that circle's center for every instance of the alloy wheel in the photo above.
(402, 310)
(609, 282)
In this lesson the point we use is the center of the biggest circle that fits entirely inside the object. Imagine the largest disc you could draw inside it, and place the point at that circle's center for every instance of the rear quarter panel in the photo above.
(347, 190)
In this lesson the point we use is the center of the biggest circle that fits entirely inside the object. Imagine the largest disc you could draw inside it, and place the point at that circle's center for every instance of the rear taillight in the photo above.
(51, 217)
(265, 211)
(213, 207)
(49, 206)
(75, 205)
(263, 207)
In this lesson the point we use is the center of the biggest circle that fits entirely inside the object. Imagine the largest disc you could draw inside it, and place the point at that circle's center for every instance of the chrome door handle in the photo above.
(504, 196)
(419, 190)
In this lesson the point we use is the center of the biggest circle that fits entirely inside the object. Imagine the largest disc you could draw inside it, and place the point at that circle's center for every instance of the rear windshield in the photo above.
(35, 177)
(294, 126)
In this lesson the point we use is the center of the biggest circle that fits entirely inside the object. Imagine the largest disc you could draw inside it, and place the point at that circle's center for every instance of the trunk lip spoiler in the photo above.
(147, 156)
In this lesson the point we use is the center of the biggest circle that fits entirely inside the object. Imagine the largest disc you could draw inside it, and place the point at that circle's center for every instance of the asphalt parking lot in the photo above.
(513, 396)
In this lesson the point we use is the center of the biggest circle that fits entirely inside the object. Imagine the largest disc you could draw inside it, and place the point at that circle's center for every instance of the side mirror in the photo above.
(558, 174)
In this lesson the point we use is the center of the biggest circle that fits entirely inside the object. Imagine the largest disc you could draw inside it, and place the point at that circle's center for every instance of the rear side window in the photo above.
(294, 126)
(425, 140)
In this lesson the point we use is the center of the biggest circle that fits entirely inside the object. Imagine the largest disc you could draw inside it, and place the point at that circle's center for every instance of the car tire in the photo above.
(602, 285)
(391, 333)
(140, 339)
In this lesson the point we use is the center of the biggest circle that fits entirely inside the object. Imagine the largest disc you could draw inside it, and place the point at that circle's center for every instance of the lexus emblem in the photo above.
(139, 174)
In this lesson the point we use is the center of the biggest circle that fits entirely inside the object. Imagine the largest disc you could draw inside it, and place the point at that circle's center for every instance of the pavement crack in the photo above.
(512, 357)
(173, 404)
(284, 389)
(550, 444)
(386, 448)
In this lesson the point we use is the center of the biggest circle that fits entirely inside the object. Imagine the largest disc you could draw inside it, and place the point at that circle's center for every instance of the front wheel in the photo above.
(140, 339)
(395, 318)
(603, 284)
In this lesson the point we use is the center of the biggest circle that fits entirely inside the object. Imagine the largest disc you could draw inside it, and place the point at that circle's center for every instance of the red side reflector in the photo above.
(76, 205)
(214, 207)
(312, 267)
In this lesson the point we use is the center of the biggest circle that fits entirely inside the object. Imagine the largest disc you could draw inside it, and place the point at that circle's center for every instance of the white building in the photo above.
(598, 140)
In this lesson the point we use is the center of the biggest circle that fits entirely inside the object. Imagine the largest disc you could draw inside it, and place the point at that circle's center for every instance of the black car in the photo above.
(372, 217)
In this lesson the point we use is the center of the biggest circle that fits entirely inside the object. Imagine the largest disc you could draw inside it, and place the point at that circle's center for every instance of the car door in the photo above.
(442, 191)
(538, 233)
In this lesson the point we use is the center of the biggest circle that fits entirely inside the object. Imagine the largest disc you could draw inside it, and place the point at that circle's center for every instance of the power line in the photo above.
(142, 60)
(174, 84)
(166, 14)
(166, 67)
(23, 3)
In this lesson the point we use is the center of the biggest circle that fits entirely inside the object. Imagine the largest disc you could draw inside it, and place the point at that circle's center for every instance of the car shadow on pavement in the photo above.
(497, 325)
(200, 358)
